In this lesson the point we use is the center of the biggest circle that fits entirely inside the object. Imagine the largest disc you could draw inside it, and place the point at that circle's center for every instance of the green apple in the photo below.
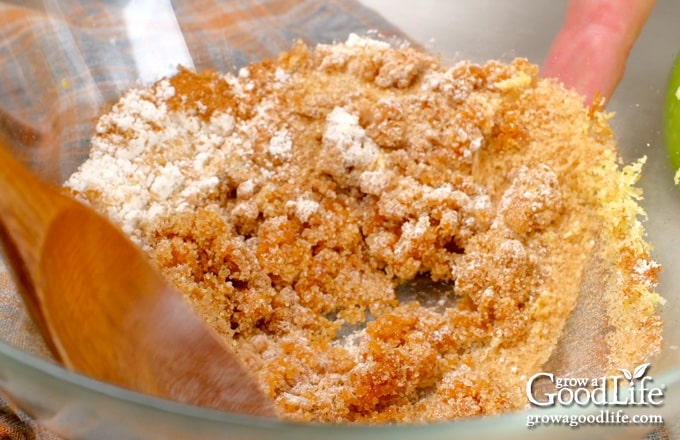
(672, 115)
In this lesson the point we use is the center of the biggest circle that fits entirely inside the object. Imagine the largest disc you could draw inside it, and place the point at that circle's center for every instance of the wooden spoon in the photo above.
(103, 308)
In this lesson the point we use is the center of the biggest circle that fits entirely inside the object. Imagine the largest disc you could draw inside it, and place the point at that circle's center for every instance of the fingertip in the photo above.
(586, 62)
(589, 53)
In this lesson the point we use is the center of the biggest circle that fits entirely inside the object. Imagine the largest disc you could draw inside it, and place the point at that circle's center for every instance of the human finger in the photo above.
(589, 53)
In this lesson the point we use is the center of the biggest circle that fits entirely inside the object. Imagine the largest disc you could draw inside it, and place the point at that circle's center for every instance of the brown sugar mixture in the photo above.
(294, 201)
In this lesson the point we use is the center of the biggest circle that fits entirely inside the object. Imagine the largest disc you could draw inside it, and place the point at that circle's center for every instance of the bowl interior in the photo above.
(455, 29)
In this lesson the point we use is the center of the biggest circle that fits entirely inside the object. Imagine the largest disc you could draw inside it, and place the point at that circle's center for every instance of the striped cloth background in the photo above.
(62, 62)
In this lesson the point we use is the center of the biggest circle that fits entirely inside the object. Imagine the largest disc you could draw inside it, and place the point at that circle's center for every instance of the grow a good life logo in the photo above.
(634, 388)
(608, 393)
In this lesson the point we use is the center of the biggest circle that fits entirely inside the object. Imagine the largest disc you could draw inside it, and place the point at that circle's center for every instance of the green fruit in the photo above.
(672, 115)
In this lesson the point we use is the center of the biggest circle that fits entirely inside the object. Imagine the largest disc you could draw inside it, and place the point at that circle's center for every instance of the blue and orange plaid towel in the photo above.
(62, 62)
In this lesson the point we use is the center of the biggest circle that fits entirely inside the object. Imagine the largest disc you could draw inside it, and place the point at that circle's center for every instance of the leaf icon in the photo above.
(626, 373)
(640, 371)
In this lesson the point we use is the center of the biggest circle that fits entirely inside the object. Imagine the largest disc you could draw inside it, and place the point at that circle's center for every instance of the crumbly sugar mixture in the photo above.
(291, 201)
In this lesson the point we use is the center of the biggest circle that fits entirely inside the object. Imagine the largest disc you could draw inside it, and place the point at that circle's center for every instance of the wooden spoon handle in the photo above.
(27, 206)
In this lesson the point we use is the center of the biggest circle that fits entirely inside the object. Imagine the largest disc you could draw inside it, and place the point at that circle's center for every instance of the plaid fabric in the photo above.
(16, 425)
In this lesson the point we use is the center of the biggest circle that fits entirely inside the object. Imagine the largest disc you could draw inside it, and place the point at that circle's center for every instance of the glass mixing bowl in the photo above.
(77, 86)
